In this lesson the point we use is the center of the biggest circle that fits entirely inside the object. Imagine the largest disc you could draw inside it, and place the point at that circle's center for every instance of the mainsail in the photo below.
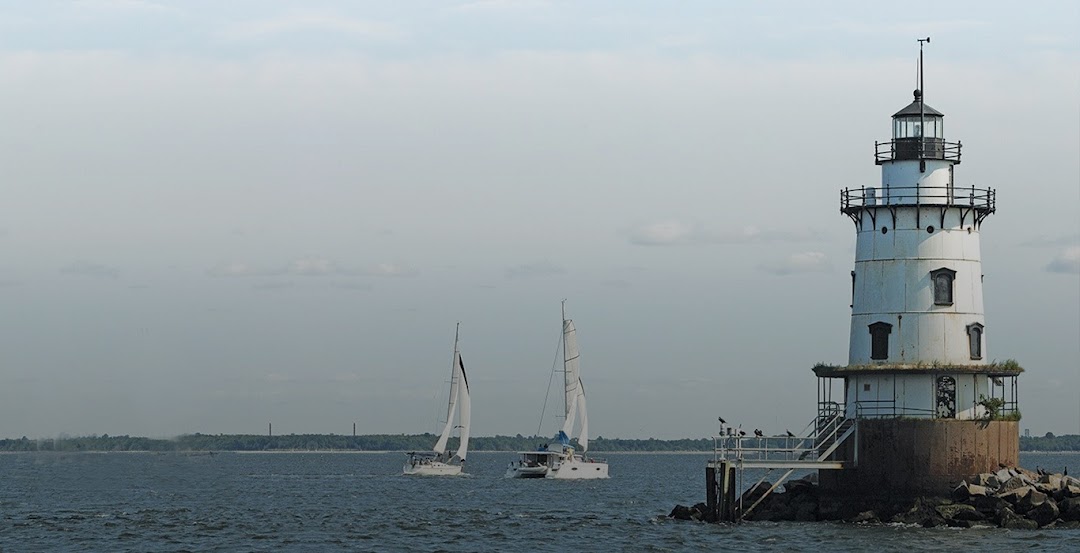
(457, 377)
(466, 410)
(574, 391)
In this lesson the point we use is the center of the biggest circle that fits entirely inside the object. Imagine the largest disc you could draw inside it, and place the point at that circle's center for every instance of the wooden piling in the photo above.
(720, 491)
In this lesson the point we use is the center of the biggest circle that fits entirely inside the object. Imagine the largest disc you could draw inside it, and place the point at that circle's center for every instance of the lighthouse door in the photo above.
(946, 397)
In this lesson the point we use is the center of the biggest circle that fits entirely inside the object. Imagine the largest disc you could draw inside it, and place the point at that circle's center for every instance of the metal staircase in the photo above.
(813, 449)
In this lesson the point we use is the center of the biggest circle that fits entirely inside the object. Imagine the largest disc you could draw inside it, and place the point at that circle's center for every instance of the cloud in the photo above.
(390, 270)
(1068, 261)
(233, 269)
(664, 233)
(501, 5)
(1052, 241)
(123, 5)
(674, 233)
(311, 266)
(90, 269)
(272, 286)
(805, 262)
(313, 23)
(530, 270)
(351, 286)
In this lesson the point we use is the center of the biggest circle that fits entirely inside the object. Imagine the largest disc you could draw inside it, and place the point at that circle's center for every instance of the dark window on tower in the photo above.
(975, 335)
(942, 279)
(852, 289)
(879, 340)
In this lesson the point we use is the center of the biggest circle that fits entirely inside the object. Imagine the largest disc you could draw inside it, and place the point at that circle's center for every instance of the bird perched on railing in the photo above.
(758, 433)
(789, 434)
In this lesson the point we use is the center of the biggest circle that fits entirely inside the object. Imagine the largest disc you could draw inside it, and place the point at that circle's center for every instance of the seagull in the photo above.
(721, 419)
(742, 432)
(789, 434)
(758, 433)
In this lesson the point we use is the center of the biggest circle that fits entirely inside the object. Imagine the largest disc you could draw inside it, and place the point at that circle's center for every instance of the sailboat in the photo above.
(439, 461)
(563, 461)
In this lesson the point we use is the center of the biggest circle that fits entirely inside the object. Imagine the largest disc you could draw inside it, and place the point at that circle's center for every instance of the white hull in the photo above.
(518, 471)
(579, 469)
(434, 468)
(565, 465)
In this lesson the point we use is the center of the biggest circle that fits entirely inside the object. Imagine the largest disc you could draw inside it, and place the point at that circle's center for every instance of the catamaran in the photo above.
(439, 461)
(563, 461)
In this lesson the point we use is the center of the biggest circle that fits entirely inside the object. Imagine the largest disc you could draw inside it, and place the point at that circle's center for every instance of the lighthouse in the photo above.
(932, 406)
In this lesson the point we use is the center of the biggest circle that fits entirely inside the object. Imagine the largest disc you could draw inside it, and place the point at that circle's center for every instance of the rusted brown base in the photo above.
(913, 457)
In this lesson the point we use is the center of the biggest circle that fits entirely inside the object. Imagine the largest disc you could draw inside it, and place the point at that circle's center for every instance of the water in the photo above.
(360, 502)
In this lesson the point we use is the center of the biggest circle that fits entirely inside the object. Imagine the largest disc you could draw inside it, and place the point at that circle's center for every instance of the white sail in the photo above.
(440, 446)
(466, 410)
(451, 408)
(571, 373)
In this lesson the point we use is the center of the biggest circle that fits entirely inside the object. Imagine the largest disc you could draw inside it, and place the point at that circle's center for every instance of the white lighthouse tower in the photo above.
(932, 407)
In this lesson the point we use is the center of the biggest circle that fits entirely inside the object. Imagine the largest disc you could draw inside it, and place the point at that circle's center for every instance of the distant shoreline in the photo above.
(207, 452)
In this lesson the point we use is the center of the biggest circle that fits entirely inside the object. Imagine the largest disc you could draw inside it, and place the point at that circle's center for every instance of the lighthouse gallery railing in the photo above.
(982, 199)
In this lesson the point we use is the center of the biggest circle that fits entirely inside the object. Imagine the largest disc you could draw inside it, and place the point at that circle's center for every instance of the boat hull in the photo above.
(579, 469)
(518, 471)
(434, 468)
(560, 465)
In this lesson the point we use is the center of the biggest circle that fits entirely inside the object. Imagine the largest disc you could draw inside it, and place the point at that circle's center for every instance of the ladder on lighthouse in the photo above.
(812, 449)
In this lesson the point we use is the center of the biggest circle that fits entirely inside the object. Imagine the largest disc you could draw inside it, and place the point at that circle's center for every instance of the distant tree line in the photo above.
(394, 442)
(330, 442)
(1050, 442)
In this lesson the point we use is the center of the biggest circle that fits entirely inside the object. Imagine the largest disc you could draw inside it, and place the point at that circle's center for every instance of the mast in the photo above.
(453, 381)
(566, 376)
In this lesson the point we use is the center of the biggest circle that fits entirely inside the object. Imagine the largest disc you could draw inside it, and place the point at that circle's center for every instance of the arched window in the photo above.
(879, 340)
(942, 280)
(975, 338)
(946, 397)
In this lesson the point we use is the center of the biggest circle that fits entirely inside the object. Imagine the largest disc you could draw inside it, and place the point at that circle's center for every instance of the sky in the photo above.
(217, 215)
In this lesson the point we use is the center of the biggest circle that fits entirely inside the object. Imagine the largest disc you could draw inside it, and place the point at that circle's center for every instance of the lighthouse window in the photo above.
(942, 280)
(879, 340)
(975, 334)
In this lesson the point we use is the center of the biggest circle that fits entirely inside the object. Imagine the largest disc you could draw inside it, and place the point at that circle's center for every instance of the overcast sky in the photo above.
(219, 214)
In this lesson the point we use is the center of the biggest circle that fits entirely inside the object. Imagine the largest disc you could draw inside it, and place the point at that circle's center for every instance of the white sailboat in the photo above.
(564, 462)
(439, 461)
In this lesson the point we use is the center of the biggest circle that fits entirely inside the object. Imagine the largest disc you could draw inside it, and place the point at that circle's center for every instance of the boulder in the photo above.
(1031, 500)
(1004, 475)
(1008, 519)
(987, 479)
(1070, 490)
(753, 494)
(697, 512)
(681, 512)
(923, 513)
(1015, 482)
(865, 516)
(959, 511)
(1014, 496)
(965, 491)
(1070, 509)
(1049, 484)
(989, 505)
(799, 487)
(1044, 513)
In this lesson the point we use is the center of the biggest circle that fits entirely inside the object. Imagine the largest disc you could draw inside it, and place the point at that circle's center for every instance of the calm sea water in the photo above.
(360, 502)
